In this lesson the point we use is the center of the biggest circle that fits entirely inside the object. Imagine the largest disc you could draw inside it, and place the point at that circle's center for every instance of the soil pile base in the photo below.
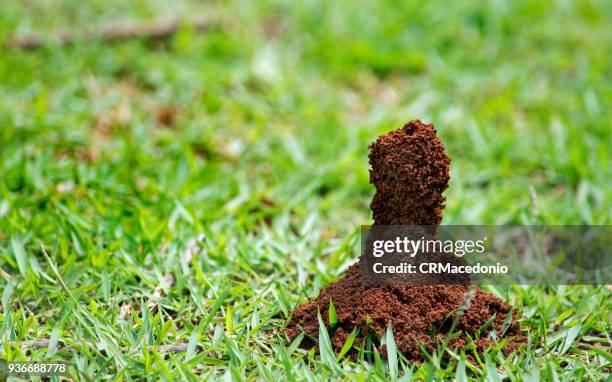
(410, 171)
(419, 314)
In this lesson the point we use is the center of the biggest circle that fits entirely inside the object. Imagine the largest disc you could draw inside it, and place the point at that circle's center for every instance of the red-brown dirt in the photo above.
(410, 170)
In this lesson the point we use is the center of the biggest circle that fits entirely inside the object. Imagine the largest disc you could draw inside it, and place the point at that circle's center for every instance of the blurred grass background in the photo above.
(194, 189)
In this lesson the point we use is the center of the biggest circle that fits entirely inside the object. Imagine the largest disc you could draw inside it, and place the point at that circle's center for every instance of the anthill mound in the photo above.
(410, 171)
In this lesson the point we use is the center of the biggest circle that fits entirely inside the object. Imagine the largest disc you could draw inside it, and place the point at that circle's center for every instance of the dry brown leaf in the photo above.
(158, 292)
(125, 310)
(166, 116)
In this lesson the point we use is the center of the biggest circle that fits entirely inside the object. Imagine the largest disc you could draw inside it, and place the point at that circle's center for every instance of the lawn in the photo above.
(166, 203)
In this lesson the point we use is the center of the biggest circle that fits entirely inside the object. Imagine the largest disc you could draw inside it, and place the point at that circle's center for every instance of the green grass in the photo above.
(206, 233)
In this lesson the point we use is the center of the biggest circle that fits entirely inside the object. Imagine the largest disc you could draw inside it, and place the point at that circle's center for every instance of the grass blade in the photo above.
(191, 345)
(20, 256)
(348, 344)
(570, 337)
(333, 318)
(391, 352)
(53, 340)
(325, 348)
(492, 374)
(460, 375)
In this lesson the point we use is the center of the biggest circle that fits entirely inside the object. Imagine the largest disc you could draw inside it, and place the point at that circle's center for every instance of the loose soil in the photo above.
(410, 171)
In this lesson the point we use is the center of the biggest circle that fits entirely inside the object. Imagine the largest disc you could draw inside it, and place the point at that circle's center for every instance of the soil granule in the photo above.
(410, 171)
